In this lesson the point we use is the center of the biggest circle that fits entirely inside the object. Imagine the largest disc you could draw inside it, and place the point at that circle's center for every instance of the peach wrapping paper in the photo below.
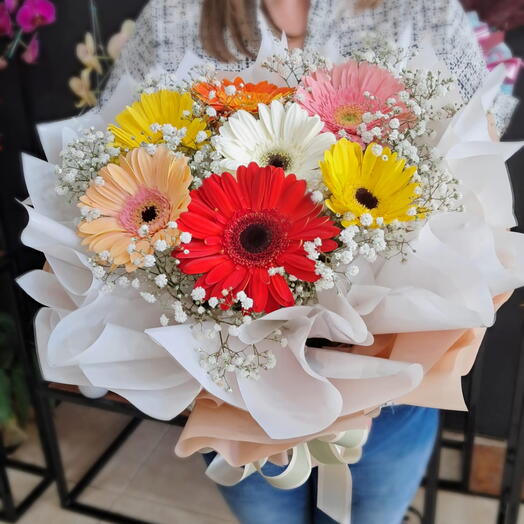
(445, 355)
(232, 432)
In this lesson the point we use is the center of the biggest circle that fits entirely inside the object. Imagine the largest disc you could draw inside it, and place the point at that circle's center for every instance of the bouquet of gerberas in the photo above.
(291, 248)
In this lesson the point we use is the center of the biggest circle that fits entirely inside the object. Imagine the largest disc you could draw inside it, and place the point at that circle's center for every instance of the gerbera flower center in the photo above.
(277, 159)
(146, 206)
(149, 214)
(366, 198)
(256, 238)
(349, 115)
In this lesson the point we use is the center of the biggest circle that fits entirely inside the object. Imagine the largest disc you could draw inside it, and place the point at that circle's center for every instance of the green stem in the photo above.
(14, 45)
(96, 34)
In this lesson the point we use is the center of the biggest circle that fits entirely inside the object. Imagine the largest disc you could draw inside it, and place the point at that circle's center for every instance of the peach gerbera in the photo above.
(229, 96)
(141, 190)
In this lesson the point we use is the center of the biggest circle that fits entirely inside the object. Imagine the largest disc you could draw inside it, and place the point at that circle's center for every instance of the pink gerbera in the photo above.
(342, 95)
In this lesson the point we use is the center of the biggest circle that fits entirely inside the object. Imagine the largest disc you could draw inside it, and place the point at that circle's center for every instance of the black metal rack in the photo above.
(69, 496)
(11, 510)
(513, 475)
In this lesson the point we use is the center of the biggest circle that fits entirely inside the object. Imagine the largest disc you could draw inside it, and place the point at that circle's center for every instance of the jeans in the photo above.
(384, 481)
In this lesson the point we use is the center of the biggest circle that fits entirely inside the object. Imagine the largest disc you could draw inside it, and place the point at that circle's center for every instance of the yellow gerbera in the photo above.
(161, 107)
(364, 182)
(142, 189)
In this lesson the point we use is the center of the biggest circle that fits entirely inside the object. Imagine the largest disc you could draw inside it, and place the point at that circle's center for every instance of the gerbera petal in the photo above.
(213, 241)
(294, 119)
(198, 249)
(328, 245)
(100, 225)
(233, 151)
(304, 209)
(177, 180)
(219, 272)
(230, 185)
(310, 228)
(258, 289)
(245, 177)
(279, 290)
(121, 177)
(277, 117)
(291, 195)
(236, 279)
(199, 207)
(264, 114)
(199, 226)
(299, 266)
(272, 304)
(215, 197)
(201, 265)
(261, 180)
(119, 251)
(272, 196)
(108, 241)
(243, 127)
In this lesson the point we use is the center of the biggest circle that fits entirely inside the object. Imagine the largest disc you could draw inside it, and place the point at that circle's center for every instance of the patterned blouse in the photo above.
(167, 28)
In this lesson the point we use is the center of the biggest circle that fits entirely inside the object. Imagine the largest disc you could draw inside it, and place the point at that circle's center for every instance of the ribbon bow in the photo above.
(332, 454)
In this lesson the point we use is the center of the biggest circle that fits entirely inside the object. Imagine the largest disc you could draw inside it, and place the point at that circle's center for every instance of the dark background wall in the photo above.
(31, 94)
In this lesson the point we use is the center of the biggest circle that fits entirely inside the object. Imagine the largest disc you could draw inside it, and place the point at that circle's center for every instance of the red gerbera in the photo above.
(241, 227)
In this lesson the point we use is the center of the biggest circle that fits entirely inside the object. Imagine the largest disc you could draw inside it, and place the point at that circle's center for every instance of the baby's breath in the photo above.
(81, 160)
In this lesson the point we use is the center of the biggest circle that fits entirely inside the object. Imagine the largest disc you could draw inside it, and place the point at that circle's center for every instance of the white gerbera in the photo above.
(282, 136)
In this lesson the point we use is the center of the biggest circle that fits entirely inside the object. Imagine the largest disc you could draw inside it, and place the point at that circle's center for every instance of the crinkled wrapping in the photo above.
(215, 425)
(83, 336)
(414, 327)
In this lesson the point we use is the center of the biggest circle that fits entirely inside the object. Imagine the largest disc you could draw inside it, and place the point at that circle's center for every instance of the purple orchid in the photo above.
(6, 25)
(32, 51)
(35, 13)
(11, 5)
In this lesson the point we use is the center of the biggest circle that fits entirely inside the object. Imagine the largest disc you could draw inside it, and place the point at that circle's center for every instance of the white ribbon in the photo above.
(332, 454)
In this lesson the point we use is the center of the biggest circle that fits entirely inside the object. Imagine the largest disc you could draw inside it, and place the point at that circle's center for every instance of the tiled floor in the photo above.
(146, 480)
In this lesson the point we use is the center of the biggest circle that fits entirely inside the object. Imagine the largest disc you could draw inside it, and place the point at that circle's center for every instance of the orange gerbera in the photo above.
(229, 96)
(142, 189)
